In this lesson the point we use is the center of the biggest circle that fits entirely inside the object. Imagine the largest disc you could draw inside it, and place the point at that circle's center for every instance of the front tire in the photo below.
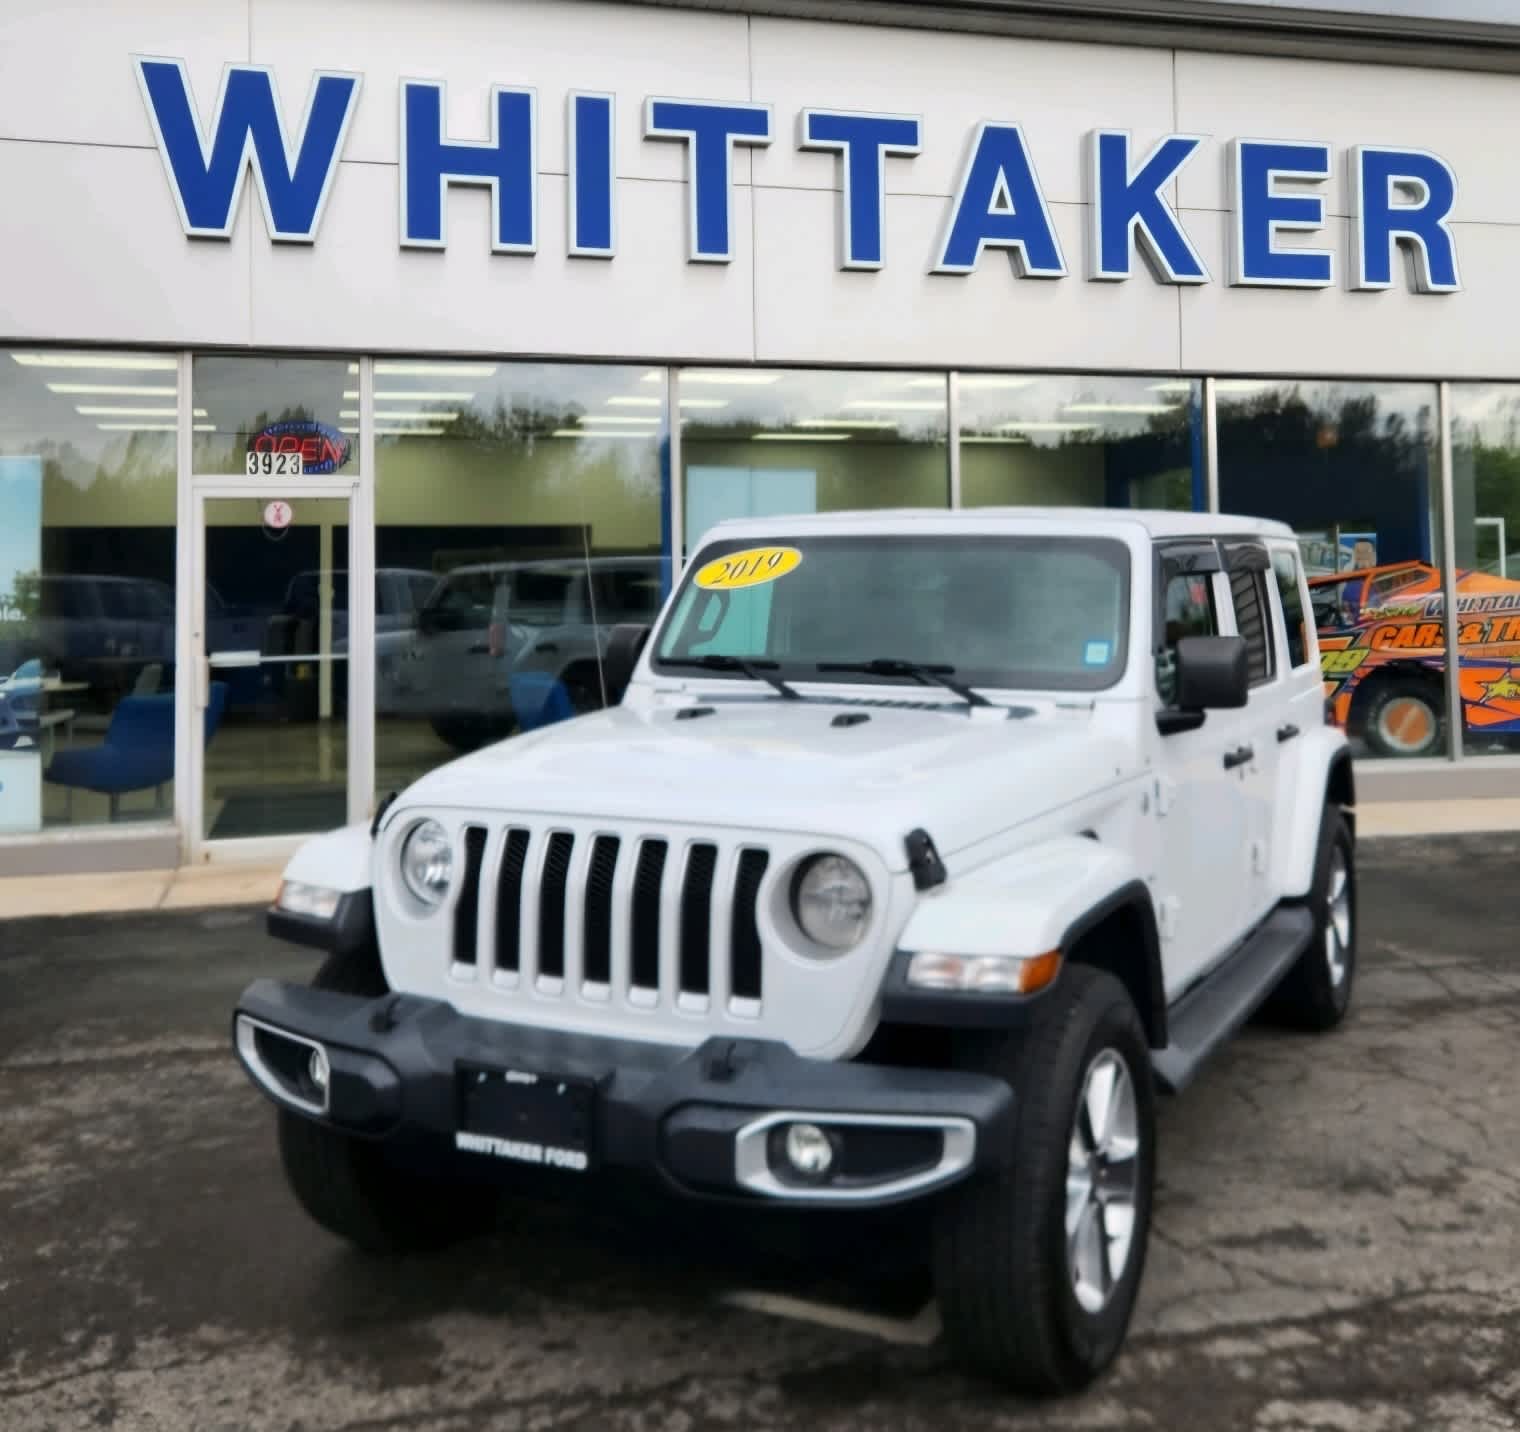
(1037, 1265)
(348, 1185)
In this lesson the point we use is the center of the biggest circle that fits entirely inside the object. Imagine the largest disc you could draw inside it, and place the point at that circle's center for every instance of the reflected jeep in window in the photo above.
(915, 857)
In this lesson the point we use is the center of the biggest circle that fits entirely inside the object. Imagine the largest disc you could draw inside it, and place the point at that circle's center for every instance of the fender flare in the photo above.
(340, 860)
(1036, 900)
(1323, 769)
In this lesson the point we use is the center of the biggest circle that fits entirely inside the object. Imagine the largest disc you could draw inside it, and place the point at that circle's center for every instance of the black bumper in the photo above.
(708, 1121)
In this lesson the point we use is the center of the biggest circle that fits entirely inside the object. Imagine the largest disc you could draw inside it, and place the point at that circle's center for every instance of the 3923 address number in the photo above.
(273, 464)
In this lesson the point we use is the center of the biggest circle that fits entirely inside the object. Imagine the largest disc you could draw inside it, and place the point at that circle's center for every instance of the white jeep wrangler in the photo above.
(918, 851)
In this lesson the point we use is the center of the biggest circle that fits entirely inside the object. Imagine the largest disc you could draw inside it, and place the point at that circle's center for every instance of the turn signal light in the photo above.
(983, 974)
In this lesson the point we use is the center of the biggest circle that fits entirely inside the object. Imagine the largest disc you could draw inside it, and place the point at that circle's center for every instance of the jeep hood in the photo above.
(769, 765)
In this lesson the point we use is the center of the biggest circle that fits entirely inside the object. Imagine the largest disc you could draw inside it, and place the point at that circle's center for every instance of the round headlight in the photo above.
(832, 901)
(427, 862)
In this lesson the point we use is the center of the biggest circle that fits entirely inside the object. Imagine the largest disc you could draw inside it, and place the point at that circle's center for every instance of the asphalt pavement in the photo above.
(1336, 1245)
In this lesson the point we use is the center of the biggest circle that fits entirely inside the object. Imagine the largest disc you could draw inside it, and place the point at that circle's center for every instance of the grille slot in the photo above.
(467, 910)
(597, 966)
(648, 877)
(551, 906)
(744, 938)
(509, 901)
(696, 919)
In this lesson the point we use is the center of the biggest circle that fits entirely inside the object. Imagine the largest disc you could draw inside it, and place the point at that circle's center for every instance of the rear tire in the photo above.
(1316, 992)
(348, 1185)
(1403, 718)
(1037, 1265)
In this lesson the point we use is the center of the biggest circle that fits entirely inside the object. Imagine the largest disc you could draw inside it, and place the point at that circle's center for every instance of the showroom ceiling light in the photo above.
(802, 437)
(845, 423)
(887, 405)
(971, 381)
(1243, 385)
(988, 438)
(596, 434)
(735, 377)
(1038, 427)
(90, 410)
(704, 402)
(141, 363)
(151, 427)
(1136, 408)
(1177, 385)
(624, 418)
(115, 390)
(417, 416)
(432, 370)
(408, 432)
(636, 400)
(418, 395)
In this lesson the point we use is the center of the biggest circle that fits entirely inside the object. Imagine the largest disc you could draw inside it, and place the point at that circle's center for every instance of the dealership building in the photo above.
(342, 345)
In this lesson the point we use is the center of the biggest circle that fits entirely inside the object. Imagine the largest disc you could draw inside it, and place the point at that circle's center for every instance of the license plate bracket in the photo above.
(526, 1116)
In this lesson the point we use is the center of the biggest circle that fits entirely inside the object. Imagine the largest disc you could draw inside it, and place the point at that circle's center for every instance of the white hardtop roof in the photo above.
(1087, 521)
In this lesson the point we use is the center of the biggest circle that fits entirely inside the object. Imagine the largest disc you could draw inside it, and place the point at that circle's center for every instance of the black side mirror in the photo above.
(1212, 673)
(625, 644)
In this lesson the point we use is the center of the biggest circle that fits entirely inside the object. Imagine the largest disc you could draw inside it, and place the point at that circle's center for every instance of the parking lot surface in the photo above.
(1336, 1246)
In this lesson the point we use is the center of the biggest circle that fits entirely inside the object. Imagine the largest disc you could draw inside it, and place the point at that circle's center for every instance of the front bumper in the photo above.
(710, 1122)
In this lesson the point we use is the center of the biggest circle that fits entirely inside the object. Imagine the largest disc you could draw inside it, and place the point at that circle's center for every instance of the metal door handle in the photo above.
(1287, 733)
(1238, 757)
(547, 646)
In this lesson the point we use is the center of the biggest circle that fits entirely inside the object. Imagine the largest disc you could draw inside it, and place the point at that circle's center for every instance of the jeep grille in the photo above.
(640, 919)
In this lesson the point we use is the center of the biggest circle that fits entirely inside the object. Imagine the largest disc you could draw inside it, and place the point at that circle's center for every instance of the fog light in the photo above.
(809, 1150)
(317, 1070)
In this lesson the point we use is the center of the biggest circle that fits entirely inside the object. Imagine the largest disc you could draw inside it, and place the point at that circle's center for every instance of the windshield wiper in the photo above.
(927, 675)
(755, 670)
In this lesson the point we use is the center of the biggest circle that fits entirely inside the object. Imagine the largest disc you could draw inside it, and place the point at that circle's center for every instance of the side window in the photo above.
(1253, 619)
(1187, 609)
(1285, 569)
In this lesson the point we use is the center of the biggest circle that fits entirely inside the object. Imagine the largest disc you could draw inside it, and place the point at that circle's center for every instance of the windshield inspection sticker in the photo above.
(752, 567)
(1096, 654)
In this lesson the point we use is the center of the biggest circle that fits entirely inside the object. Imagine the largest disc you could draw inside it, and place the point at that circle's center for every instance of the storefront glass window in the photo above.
(511, 536)
(261, 415)
(1485, 459)
(1036, 439)
(771, 442)
(87, 598)
(1353, 469)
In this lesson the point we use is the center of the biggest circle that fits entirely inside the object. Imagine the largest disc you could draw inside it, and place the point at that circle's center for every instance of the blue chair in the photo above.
(137, 753)
(539, 699)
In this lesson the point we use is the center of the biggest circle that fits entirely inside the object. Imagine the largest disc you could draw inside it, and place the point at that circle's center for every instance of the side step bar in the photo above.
(1208, 1015)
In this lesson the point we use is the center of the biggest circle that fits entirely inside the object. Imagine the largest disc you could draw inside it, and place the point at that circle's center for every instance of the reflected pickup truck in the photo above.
(919, 853)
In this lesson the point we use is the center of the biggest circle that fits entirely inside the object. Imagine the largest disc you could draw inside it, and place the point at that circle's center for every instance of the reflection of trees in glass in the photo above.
(22, 605)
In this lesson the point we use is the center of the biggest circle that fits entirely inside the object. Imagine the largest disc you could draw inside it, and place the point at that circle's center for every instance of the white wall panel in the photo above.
(1057, 92)
(1465, 118)
(91, 249)
(807, 311)
(66, 71)
(1380, 334)
(357, 289)
(546, 45)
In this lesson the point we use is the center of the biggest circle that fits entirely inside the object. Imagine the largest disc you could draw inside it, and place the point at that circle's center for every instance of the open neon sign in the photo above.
(299, 448)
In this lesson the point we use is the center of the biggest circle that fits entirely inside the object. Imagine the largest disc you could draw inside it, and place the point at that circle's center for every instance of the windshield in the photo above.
(1027, 613)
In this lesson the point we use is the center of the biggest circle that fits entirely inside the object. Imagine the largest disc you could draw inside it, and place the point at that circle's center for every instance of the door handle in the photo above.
(1238, 757)
(1287, 733)
(547, 646)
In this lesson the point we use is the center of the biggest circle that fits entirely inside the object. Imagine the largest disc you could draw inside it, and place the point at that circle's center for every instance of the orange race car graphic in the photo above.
(1382, 639)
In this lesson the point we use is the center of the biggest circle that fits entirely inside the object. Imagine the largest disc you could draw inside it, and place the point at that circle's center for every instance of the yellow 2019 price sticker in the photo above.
(750, 568)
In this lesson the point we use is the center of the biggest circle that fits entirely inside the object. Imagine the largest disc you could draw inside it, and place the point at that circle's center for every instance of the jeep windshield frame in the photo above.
(1013, 612)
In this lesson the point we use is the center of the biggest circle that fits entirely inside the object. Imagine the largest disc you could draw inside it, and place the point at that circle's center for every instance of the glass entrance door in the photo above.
(273, 699)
